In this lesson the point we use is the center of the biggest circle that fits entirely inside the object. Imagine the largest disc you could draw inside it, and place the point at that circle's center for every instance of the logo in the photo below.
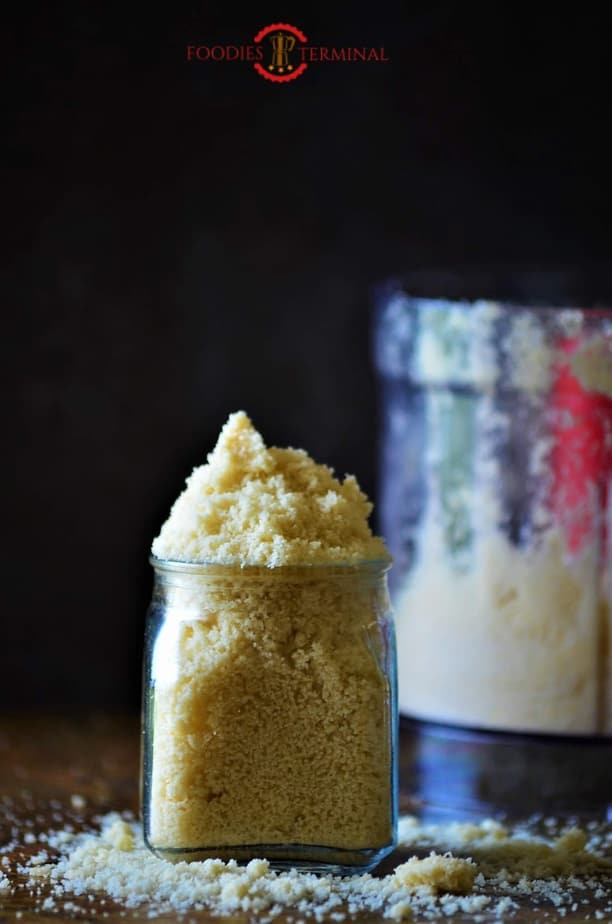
(280, 53)
(282, 38)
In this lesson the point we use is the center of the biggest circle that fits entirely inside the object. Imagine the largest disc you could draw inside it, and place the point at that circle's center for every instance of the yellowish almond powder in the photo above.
(253, 505)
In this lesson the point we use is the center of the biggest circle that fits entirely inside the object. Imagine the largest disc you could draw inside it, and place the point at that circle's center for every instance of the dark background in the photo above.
(188, 239)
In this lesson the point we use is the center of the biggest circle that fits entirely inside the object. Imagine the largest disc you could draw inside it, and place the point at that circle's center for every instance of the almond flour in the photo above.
(460, 869)
(254, 505)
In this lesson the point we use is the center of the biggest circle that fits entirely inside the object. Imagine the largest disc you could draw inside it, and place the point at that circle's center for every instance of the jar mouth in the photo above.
(373, 566)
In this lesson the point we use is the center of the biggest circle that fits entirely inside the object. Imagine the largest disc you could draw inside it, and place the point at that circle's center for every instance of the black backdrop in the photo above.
(188, 239)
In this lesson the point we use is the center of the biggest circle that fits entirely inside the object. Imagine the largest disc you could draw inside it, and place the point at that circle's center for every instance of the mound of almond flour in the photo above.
(251, 504)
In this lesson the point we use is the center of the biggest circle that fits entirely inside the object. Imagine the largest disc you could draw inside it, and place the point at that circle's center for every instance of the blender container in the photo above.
(494, 498)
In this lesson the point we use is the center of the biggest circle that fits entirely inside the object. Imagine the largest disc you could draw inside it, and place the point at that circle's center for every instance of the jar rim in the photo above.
(368, 565)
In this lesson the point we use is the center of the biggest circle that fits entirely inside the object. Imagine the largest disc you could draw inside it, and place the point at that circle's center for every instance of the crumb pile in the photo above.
(517, 852)
(491, 870)
(115, 862)
(253, 505)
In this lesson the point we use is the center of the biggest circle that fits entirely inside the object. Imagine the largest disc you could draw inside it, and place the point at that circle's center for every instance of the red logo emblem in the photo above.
(280, 64)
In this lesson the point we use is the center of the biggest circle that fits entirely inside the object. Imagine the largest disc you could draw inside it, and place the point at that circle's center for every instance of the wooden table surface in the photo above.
(47, 759)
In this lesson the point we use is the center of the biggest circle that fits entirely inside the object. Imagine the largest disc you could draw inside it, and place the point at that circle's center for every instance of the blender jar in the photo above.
(495, 478)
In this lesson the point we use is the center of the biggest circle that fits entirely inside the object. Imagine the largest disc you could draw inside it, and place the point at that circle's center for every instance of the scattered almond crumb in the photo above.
(119, 835)
(400, 911)
(460, 869)
(437, 873)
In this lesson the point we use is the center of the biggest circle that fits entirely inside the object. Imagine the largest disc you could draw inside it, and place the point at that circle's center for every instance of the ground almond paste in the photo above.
(271, 714)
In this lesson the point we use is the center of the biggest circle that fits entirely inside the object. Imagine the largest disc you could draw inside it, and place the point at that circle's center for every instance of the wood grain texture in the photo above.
(45, 760)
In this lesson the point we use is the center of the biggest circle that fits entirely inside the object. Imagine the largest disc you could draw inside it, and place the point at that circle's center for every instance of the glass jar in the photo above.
(269, 716)
(496, 472)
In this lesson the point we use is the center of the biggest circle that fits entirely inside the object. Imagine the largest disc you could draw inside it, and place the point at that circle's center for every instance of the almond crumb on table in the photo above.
(477, 871)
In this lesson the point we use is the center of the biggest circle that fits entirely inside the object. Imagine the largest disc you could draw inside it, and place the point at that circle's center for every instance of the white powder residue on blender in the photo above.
(495, 631)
